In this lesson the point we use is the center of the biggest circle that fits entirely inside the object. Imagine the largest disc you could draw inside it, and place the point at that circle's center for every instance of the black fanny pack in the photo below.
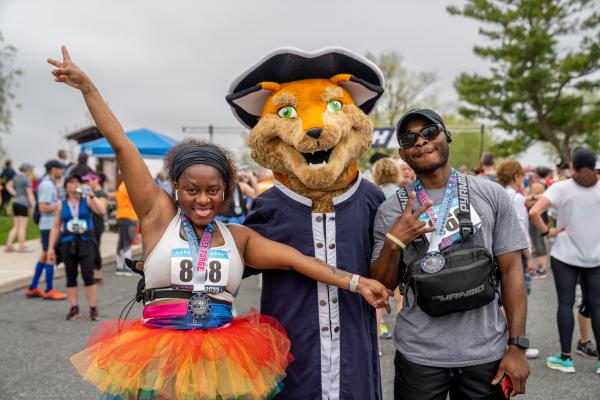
(468, 279)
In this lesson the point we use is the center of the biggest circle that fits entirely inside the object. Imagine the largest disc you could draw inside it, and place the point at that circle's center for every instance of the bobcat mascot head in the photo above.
(307, 115)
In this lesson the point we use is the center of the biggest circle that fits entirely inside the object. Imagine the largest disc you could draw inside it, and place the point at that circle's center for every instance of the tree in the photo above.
(545, 56)
(403, 89)
(8, 80)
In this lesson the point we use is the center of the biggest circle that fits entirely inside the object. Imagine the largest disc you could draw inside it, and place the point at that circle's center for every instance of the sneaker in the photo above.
(9, 249)
(73, 313)
(93, 313)
(557, 363)
(532, 353)
(384, 332)
(32, 293)
(587, 349)
(54, 295)
(540, 274)
(24, 250)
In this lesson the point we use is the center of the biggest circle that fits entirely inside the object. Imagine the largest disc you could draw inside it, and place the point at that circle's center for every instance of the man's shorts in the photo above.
(45, 237)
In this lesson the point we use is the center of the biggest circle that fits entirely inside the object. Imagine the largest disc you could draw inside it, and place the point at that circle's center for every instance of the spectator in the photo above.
(6, 176)
(47, 200)
(126, 224)
(63, 157)
(162, 180)
(406, 174)
(488, 167)
(20, 188)
(95, 182)
(386, 174)
(575, 251)
(265, 180)
(81, 169)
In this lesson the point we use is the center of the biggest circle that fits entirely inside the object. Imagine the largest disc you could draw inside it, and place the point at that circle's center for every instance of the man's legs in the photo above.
(474, 382)
(420, 382)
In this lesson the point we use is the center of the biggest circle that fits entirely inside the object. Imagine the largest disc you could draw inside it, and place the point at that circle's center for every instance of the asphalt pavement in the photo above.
(36, 343)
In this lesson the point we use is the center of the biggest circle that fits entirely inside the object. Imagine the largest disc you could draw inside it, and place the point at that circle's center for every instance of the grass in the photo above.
(6, 224)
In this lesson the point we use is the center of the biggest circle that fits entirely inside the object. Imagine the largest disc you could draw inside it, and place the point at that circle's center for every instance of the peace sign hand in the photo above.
(408, 227)
(69, 73)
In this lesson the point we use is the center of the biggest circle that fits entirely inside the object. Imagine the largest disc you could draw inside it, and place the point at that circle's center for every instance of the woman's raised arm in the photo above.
(146, 197)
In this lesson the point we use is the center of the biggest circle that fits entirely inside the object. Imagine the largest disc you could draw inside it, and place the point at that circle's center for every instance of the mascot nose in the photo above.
(314, 133)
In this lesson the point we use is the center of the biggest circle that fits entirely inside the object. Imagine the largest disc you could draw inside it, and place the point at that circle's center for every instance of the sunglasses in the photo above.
(409, 139)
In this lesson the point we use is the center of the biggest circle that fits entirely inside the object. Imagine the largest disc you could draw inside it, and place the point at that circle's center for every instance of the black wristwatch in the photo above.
(520, 341)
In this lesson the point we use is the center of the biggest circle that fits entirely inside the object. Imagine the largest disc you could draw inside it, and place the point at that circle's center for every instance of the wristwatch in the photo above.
(519, 341)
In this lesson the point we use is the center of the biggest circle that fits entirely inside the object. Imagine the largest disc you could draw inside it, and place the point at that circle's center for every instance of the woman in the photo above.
(73, 231)
(188, 345)
(20, 188)
(95, 182)
(575, 251)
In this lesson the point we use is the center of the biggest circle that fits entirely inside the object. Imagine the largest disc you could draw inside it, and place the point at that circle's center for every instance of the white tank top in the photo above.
(170, 261)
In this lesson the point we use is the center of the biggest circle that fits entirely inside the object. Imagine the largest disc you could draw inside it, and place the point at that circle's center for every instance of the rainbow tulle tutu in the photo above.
(243, 360)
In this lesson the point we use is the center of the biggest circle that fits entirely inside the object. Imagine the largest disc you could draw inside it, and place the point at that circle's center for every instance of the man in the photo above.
(8, 173)
(464, 353)
(489, 169)
(127, 221)
(47, 199)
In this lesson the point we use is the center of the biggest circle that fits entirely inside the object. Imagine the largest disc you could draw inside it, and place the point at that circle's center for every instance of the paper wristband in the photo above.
(395, 240)
(354, 283)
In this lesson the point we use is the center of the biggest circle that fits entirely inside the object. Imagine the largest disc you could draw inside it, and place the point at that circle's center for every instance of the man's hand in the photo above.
(514, 364)
(531, 266)
(408, 227)
(69, 73)
(375, 293)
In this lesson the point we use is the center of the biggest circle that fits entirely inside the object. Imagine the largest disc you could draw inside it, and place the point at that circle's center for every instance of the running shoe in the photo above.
(73, 313)
(557, 363)
(94, 314)
(384, 332)
(31, 293)
(24, 250)
(587, 349)
(532, 353)
(540, 274)
(54, 295)
(9, 249)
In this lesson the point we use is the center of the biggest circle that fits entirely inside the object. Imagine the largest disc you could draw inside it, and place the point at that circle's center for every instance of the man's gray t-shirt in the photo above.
(47, 193)
(466, 338)
(21, 182)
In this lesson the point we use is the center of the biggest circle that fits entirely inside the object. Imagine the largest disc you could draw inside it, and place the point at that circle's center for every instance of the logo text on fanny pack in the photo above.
(459, 295)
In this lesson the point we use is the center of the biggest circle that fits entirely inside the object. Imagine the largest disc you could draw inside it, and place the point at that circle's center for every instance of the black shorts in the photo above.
(19, 210)
(421, 382)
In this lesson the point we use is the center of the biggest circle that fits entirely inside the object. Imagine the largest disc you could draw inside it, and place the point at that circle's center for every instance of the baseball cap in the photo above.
(53, 164)
(425, 113)
(583, 158)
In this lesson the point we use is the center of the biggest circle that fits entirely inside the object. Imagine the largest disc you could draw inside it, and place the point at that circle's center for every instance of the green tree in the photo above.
(8, 80)
(545, 57)
(404, 89)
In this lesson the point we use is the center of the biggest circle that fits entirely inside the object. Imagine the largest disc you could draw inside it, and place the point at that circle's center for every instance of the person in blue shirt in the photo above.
(76, 244)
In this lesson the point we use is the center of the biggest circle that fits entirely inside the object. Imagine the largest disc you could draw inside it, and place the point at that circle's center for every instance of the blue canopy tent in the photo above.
(150, 144)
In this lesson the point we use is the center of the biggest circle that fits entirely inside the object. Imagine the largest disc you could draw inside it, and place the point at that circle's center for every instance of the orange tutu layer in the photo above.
(246, 359)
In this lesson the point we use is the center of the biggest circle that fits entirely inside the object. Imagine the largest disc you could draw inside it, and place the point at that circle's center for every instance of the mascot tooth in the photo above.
(307, 115)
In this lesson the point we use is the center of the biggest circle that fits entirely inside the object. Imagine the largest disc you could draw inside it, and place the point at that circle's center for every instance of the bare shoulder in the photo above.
(239, 232)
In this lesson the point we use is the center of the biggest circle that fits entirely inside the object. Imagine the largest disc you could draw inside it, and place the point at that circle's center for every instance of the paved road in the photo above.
(36, 342)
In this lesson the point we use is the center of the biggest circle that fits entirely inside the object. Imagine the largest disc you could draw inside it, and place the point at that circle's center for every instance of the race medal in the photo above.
(199, 305)
(432, 263)
(237, 210)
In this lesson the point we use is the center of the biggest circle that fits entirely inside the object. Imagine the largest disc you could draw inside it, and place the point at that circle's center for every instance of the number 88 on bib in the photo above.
(216, 271)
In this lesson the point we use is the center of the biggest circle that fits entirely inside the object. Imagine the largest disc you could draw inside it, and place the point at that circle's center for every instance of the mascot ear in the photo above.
(253, 99)
(362, 92)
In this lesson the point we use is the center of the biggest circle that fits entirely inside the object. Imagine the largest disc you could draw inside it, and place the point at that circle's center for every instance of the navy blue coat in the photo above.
(333, 331)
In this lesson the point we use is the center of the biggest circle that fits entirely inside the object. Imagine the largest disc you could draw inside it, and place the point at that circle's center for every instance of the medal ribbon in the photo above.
(199, 253)
(440, 220)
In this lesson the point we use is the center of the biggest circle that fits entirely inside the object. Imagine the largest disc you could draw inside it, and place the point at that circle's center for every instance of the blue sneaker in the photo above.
(556, 362)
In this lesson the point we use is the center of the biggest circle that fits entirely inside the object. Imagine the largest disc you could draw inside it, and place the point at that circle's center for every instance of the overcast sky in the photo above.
(164, 65)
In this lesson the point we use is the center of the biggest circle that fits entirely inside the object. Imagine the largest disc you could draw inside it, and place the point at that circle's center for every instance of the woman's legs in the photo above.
(565, 279)
(21, 230)
(590, 278)
(12, 233)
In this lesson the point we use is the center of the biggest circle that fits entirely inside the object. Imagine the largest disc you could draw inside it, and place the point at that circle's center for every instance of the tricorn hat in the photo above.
(246, 96)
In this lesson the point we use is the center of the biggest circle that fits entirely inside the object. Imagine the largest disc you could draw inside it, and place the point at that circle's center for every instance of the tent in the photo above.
(150, 144)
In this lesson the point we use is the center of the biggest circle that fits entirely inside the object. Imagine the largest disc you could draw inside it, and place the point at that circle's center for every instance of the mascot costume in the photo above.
(307, 115)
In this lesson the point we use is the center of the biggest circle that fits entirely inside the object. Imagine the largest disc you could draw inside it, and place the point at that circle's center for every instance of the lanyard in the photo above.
(74, 209)
(440, 220)
(199, 254)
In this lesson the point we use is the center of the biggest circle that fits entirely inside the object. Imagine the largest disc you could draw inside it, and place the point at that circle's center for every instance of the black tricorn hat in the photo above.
(246, 96)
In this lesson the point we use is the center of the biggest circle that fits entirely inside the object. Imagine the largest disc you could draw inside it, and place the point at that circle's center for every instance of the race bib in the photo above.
(76, 225)
(451, 230)
(216, 271)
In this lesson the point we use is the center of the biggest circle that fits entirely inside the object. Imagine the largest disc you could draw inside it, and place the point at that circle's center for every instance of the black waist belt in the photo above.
(154, 294)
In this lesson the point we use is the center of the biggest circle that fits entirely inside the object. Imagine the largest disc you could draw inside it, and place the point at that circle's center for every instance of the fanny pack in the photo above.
(468, 279)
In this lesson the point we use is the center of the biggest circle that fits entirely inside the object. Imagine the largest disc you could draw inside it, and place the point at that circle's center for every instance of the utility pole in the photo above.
(482, 131)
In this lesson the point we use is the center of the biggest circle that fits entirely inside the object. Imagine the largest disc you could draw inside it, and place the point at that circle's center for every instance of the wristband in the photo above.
(354, 283)
(395, 240)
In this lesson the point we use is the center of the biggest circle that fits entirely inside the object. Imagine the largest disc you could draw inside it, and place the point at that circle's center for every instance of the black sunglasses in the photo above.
(429, 132)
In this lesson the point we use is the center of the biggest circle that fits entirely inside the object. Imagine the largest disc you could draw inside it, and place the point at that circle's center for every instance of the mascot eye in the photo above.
(334, 105)
(287, 112)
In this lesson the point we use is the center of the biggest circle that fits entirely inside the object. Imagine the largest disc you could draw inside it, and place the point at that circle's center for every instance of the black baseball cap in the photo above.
(425, 113)
(583, 158)
(53, 164)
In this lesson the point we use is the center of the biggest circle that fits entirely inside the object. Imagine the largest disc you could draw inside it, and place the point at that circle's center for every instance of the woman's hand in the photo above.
(51, 256)
(553, 232)
(69, 73)
(375, 293)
